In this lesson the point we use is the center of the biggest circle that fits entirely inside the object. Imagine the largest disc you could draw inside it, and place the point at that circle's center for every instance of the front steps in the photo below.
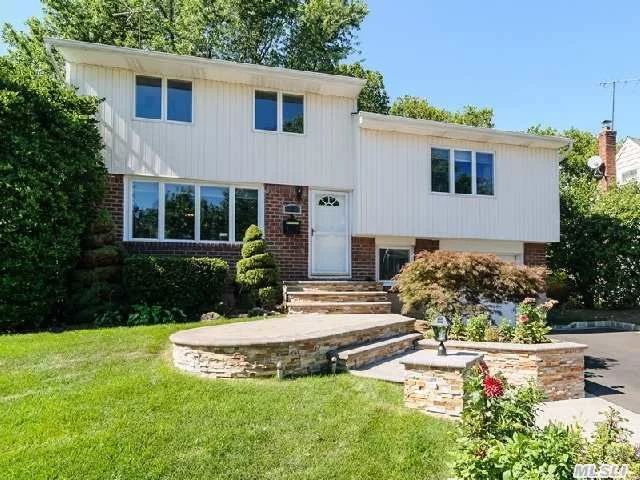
(335, 297)
(359, 356)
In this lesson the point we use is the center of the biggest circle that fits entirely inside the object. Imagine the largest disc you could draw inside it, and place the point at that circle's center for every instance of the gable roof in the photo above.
(186, 66)
(414, 126)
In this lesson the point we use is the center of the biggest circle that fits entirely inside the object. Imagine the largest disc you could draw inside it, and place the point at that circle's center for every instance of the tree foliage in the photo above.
(373, 97)
(302, 34)
(453, 283)
(52, 179)
(418, 107)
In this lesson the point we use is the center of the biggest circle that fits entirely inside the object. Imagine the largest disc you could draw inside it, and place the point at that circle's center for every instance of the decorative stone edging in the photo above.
(557, 367)
(610, 324)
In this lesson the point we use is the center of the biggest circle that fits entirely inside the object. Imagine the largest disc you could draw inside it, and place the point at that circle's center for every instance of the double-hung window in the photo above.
(151, 103)
(182, 211)
(278, 112)
(462, 172)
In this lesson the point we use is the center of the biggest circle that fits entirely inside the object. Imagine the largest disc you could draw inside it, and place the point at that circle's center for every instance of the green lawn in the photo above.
(107, 404)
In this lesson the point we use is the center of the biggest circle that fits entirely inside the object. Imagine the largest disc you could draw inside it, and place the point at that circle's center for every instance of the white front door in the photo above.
(330, 234)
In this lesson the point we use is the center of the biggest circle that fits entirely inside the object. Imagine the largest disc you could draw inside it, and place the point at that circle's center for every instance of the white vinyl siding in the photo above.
(221, 145)
(394, 197)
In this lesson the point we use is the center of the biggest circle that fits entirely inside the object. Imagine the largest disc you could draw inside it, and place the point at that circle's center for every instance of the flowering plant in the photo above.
(531, 318)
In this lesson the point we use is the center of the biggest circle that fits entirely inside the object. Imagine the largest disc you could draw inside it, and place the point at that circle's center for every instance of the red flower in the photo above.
(493, 386)
(484, 368)
(524, 318)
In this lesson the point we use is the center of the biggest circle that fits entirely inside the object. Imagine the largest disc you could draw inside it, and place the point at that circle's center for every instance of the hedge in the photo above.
(192, 284)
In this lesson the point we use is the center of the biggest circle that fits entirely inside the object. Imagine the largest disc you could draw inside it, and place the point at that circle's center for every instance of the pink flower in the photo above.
(549, 304)
(493, 387)
(524, 318)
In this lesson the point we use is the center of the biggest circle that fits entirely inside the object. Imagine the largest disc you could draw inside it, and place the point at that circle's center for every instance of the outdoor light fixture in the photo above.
(441, 327)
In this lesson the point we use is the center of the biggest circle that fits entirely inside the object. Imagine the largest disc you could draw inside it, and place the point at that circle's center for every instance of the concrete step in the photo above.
(361, 355)
(331, 296)
(332, 286)
(339, 307)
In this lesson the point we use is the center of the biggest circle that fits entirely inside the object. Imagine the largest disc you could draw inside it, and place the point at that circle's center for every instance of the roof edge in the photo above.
(377, 121)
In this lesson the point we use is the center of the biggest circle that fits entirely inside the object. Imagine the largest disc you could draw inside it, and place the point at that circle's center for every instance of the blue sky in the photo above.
(533, 62)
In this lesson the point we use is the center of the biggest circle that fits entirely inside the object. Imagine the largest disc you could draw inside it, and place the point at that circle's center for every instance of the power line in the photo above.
(613, 83)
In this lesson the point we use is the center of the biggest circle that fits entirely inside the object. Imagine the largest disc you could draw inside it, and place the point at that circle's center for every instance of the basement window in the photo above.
(390, 261)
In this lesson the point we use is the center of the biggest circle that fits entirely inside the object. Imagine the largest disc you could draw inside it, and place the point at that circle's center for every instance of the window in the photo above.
(144, 212)
(148, 97)
(464, 173)
(390, 261)
(214, 213)
(179, 212)
(179, 100)
(266, 111)
(275, 112)
(484, 173)
(191, 212)
(293, 113)
(439, 170)
(246, 210)
(629, 175)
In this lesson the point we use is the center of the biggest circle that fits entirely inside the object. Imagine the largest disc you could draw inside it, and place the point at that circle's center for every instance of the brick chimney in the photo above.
(607, 152)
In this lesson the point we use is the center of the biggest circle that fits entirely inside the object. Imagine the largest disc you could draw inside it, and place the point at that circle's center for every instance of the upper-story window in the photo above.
(274, 111)
(150, 99)
(462, 172)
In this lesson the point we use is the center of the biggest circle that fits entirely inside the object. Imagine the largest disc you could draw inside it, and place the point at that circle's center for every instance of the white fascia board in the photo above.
(375, 121)
(186, 66)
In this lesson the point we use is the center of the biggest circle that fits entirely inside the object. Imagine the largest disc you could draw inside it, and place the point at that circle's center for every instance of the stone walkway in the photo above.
(584, 411)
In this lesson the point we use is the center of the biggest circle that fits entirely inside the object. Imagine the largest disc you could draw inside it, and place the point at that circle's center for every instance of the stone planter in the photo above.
(557, 367)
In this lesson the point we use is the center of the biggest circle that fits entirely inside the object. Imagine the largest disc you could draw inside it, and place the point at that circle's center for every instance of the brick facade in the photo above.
(114, 199)
(363, 258)
(291, 251)
(534, 255)
(426, 245)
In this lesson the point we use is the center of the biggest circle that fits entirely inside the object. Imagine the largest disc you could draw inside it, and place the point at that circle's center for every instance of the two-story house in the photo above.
(199, 149)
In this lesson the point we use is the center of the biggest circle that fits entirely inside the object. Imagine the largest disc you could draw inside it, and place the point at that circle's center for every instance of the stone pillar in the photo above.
(433, 384)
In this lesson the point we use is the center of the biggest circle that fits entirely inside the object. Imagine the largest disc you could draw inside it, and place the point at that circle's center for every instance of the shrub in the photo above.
(476, 327)
(153, 315)
(492, 334)
(458, 329)
(456, 283)
(599, 248)
(505, 331)
(256, 272)
(52, 178)
(191, 284)
(96, 284)
(531, 324)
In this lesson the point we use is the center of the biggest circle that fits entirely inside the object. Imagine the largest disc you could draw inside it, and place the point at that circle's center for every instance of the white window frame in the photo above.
(452, 172)
(391, 246)
(128, 203)
(280, 112)
(164, 99)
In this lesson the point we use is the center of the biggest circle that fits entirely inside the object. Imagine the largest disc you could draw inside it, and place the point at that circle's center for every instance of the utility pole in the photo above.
(613, 84)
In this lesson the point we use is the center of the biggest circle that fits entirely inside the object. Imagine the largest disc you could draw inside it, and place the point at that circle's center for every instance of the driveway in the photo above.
(612, 365)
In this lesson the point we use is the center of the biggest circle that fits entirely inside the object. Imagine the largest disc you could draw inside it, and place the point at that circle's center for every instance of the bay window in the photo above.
(182, 211)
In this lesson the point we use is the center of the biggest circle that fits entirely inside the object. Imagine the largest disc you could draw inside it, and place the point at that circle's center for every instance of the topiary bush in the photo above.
(96, 283)
(191, 284)
(52, 178)
(257, 273)
(453, 283)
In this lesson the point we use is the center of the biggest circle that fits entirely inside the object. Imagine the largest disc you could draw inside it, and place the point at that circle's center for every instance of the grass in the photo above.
(107, 404)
